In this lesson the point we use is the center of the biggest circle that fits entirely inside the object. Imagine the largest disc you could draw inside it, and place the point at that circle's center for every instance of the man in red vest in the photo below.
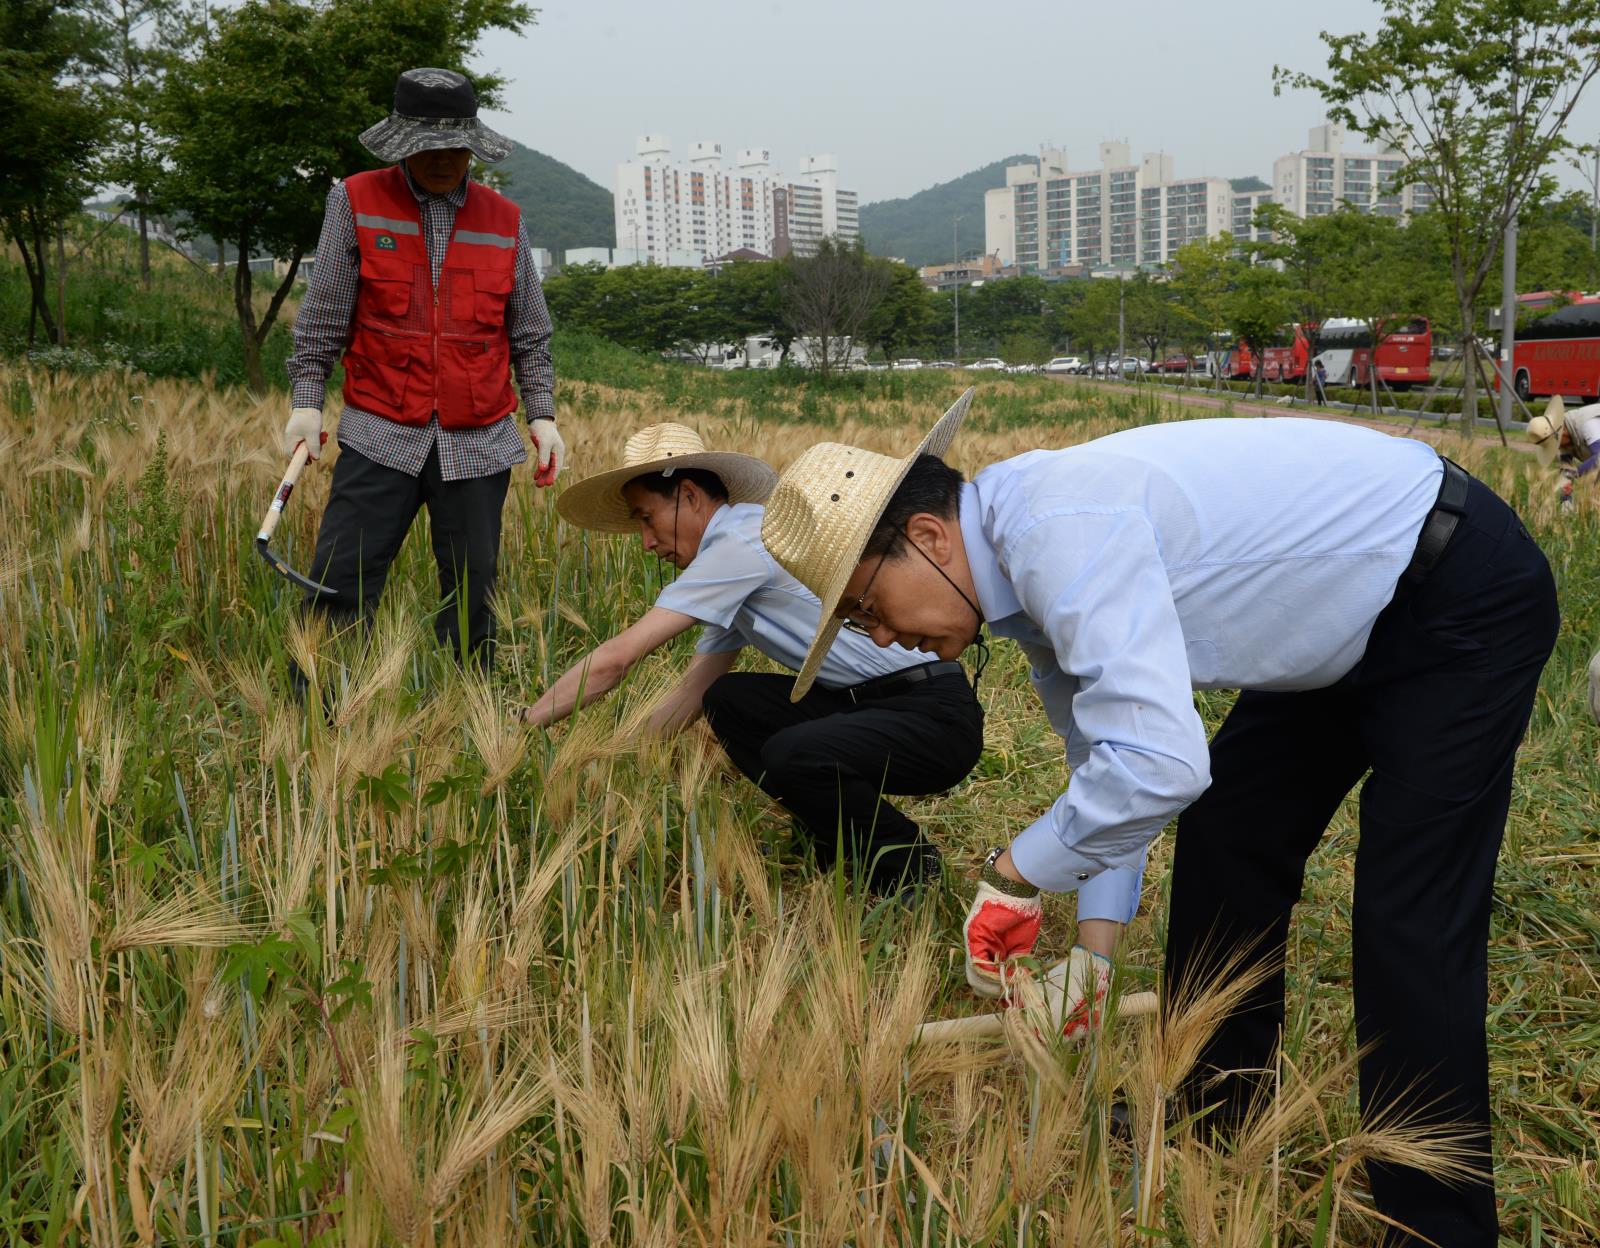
(425, 285)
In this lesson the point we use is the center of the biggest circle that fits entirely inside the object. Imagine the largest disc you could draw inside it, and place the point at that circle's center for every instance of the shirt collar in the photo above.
(458, 196)
(995, 594)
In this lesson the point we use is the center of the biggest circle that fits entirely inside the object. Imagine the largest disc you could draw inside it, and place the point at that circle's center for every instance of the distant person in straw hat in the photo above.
(425, 287)
(1382, 612)
(882, 721)
(1573, 437)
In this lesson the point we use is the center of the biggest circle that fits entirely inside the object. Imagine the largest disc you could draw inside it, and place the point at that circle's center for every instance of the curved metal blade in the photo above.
(288, 573)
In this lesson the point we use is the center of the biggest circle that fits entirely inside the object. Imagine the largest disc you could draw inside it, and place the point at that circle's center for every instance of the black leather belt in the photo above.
(1440, 526)
(896, 682)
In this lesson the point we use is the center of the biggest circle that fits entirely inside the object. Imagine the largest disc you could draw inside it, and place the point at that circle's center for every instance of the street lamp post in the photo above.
(955, 276)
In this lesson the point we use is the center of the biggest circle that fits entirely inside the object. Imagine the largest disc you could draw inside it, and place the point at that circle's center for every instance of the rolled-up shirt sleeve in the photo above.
(529, 328)
(1095, 583)
(322, 326)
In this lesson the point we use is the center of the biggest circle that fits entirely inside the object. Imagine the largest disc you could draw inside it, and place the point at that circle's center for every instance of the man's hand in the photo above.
(552, 451)
(304, 425)
(1002, 924)
(1088, 979)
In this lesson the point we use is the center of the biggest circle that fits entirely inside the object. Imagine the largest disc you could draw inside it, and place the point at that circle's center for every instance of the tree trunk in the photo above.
(255, 378)
(1469, 376)
(61, 282)
(144, 247)
(33, 260)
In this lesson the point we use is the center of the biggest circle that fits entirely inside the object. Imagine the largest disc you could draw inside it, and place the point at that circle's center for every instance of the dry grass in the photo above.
(411, 976)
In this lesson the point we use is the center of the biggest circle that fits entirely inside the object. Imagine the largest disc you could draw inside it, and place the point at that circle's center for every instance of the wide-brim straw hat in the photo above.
(1545, 431)
(824, 509)
(597, 503)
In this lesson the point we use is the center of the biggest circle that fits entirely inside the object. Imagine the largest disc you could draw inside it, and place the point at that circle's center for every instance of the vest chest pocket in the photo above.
(387, 283)
(491, 291)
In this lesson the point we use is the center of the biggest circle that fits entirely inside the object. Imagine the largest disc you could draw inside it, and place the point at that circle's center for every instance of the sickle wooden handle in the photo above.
(290, 475)
(987, 1026)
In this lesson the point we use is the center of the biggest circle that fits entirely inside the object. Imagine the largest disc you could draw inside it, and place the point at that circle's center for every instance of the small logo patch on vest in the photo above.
(385, 242)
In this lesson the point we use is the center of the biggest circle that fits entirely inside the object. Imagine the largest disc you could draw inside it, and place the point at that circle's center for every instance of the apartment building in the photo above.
(1051, 219)
(1317, 180)
(669, 211)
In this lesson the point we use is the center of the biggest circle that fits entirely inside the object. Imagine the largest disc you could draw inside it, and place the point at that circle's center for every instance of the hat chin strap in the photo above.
(978, 639)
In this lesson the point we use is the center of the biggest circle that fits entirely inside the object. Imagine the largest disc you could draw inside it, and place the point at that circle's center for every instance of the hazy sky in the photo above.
(909, 94)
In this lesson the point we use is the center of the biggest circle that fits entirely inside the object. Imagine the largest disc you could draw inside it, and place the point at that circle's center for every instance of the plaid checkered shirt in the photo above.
(322, 329)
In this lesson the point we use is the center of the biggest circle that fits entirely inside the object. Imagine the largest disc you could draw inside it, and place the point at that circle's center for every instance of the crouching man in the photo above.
(1385, 615)
(882, 721)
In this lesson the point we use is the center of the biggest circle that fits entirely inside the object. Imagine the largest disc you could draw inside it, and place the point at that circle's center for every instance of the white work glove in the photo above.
(552, 451)
(1594, 686)
(1002, 923)
(1077, 1011)
(305, 425)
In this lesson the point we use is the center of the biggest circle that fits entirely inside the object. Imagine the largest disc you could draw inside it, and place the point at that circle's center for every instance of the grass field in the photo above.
(414, 976)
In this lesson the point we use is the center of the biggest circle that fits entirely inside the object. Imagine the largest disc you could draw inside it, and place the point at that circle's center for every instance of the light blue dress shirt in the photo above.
(1208, 554)
(745, 598)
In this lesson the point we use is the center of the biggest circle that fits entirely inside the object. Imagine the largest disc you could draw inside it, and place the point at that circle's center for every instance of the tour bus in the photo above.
(1404, 353)
(1559, 354)
(1285, 360)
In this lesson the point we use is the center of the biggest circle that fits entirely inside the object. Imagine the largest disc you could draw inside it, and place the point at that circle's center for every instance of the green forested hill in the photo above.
(561, 207)
(917, 228)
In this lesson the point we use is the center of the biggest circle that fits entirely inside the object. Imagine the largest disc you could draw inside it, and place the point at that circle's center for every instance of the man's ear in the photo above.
(932, 534)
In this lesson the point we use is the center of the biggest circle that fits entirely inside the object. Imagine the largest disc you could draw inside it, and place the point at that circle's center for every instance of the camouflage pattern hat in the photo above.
(433, 109)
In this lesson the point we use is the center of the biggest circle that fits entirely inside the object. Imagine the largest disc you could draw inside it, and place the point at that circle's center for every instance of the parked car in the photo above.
(1064, 364)
(1175, 364)
(940, 364)
(1022, 368)
(989, 364)
(901, 366)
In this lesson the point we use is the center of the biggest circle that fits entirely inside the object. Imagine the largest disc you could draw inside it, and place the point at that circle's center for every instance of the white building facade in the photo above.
(1049, 218)
(680, 212)
(1316, 181)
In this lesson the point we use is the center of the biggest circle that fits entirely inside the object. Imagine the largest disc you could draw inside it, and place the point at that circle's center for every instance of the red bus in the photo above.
(1286, 360)
(1559, 354)
(1404, 352)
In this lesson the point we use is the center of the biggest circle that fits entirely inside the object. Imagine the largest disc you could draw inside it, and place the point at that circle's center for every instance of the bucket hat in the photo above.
(1544, 431)
(433, 109)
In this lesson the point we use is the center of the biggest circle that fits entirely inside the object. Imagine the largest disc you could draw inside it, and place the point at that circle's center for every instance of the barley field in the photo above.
(407, 974)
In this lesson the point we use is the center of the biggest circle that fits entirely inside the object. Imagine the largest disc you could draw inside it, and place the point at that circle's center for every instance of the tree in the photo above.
(903, 315)
(138, 41)
(1476, 94)
(1307, 248)
(1202, 275)
(1257, 304)
(1152, 314)
(264, 110)
(49, 125)
(1093, 321)
(829, 296)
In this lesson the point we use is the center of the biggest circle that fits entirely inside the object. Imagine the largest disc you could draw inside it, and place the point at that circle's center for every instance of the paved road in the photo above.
(1428, 433)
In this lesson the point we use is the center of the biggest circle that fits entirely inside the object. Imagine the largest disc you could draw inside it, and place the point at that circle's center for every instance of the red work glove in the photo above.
(1088, 979)
(1002, 924)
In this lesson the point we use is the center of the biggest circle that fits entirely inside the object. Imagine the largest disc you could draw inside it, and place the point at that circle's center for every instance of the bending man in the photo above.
(1381, 610)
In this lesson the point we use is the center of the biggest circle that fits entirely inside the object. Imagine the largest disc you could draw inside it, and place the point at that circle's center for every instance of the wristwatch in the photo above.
(1000, 883)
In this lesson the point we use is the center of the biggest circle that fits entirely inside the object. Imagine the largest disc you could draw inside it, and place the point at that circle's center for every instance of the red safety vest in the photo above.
(416, 349)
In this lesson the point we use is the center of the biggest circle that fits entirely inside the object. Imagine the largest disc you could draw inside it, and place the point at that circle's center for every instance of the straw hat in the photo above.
(824, 509)
(1545, 431)
(596, 502)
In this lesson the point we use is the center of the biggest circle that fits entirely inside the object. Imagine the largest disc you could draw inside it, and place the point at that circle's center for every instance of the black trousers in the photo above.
(1434, 711)
(831, 760)
(369, 513)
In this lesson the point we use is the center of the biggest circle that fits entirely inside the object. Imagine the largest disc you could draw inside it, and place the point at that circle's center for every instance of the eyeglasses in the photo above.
(858, 617)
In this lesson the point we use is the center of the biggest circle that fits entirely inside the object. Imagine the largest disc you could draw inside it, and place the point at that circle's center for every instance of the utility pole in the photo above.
(1508, 326)
(1594, 202)
(955, 259)
(1122, 320)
